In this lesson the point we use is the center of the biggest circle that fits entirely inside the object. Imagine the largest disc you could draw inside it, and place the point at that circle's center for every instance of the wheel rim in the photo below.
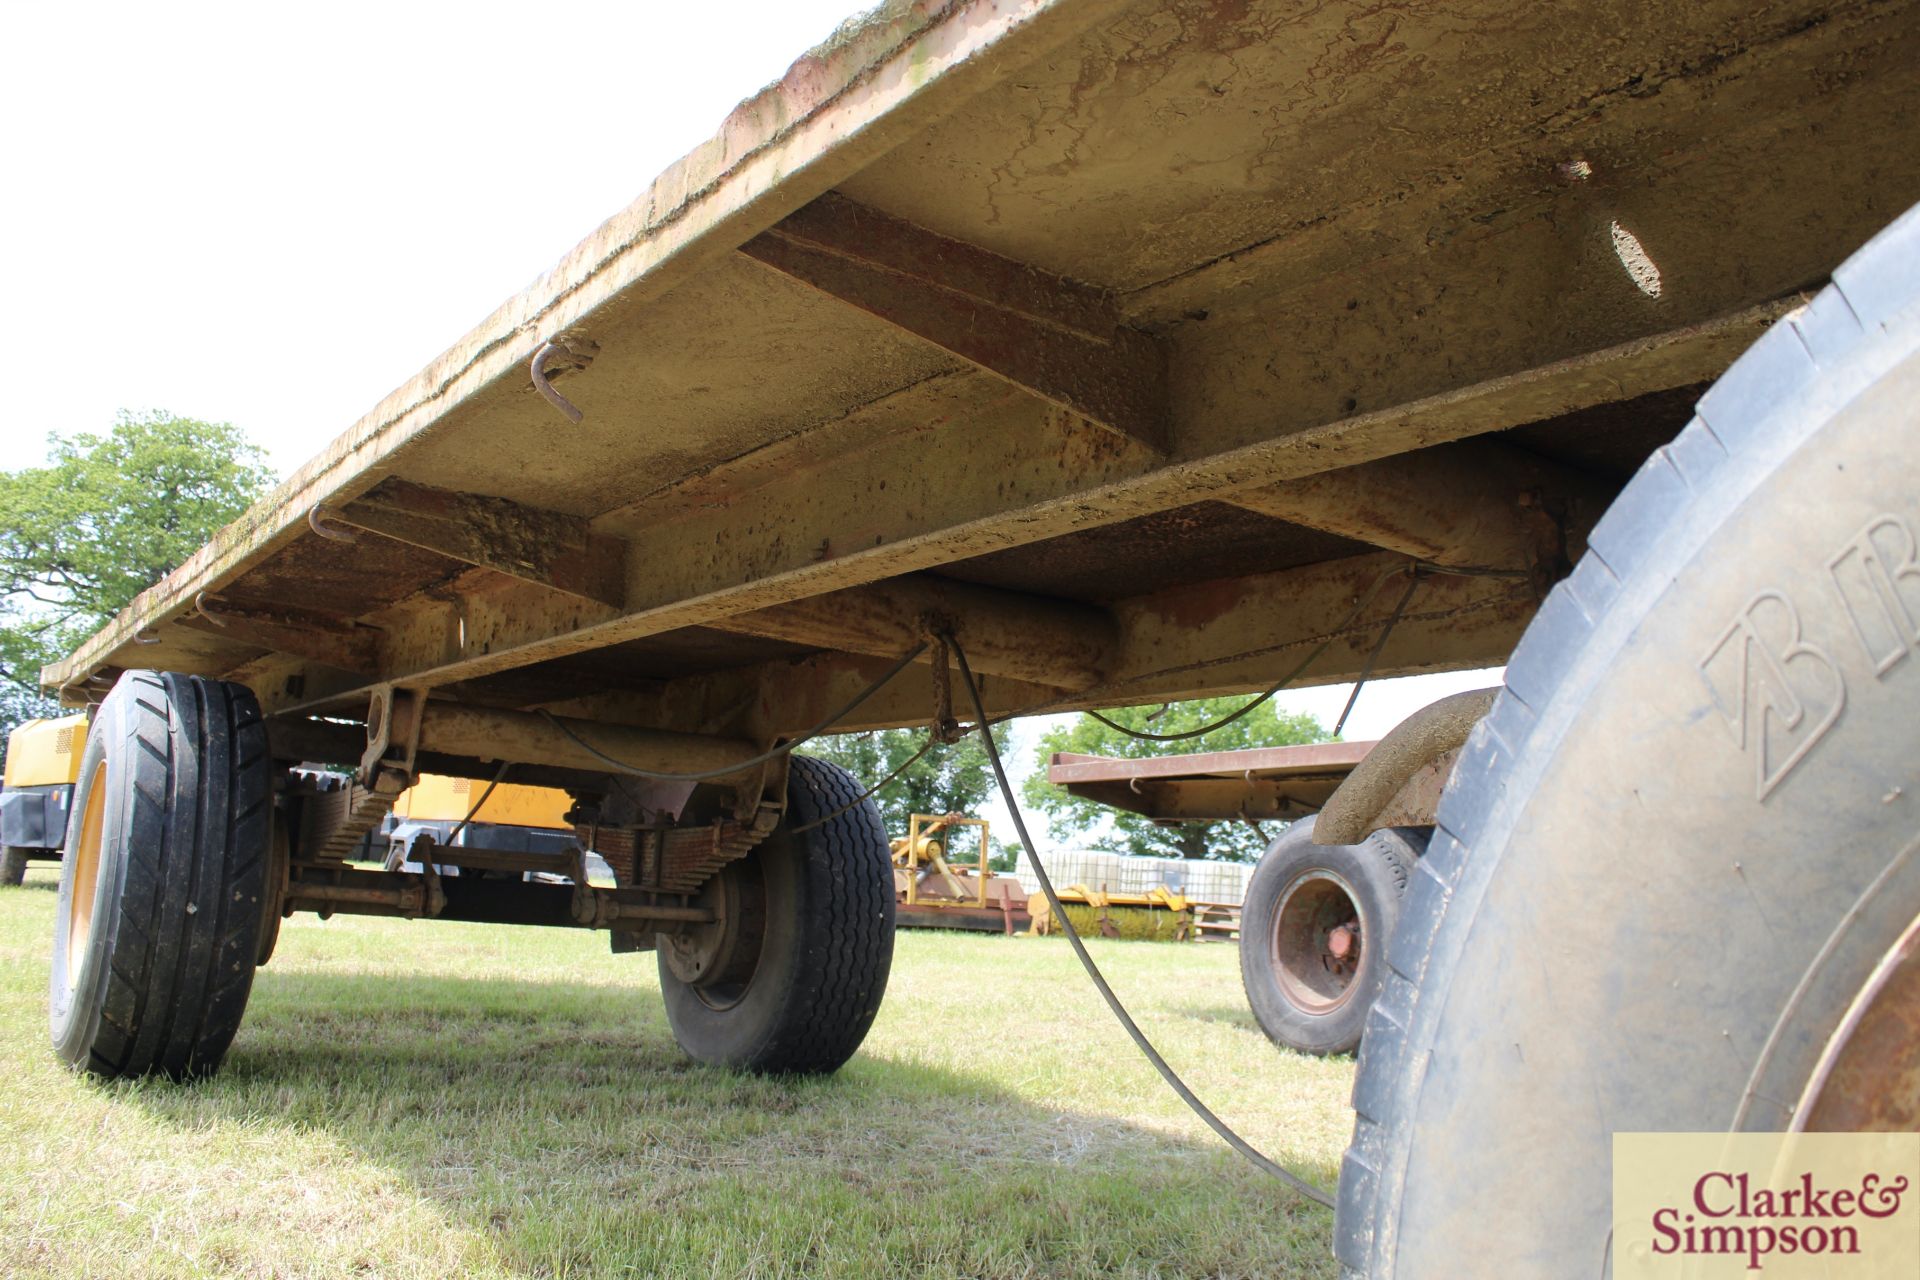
(1868, 1078)
(1316, 943)
(718, 961)
(85, 853)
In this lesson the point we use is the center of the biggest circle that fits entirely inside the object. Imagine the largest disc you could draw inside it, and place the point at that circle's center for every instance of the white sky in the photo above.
(273, 215)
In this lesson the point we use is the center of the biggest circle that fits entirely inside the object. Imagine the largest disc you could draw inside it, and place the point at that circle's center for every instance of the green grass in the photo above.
(420, 1099)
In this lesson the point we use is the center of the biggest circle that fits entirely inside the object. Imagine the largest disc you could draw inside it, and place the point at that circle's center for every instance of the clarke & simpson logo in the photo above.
(1725, 1215)
(1703, 1206)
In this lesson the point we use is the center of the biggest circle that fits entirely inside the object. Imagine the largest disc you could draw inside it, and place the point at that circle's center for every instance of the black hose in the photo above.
(1167, 1073)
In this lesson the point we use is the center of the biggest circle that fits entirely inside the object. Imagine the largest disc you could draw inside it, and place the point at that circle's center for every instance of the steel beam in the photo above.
(1472, 503)
(486, 733)
(1062, 340)
(1045, 642)
(332, 642)
(1206, 639)
(1000, 472)
(547, 548)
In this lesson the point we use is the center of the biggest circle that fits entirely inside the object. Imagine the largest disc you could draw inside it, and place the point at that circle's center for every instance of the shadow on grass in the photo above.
(36, 883)
(562, 1124)
(1240, 1016)
(1233, 1015)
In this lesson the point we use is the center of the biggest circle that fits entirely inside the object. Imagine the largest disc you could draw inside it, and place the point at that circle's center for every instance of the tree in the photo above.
(1092, 825)
(108, 516)
(954, 778)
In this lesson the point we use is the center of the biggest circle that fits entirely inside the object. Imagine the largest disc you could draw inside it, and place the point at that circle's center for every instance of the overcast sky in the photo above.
(272, 215)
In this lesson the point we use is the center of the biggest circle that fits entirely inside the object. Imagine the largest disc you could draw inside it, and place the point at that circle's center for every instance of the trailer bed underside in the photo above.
(1145, 345)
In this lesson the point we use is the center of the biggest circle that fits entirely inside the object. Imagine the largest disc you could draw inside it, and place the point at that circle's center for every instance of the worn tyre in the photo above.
(158, 924)
(1311, 912)
(800, 989)
(1684, 837)
(13, 865)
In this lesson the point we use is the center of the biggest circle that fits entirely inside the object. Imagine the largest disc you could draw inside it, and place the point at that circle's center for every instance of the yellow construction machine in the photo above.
(518, 829)
(931, 892)
(43, 763)
(1158, 913)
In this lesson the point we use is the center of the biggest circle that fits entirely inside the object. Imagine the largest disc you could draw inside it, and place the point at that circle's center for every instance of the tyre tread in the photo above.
(1859, 304)
(833, 979)
(178, 970)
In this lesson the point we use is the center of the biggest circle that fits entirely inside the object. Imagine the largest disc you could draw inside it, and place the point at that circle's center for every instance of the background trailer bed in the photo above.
(1315, 917)
(1261, 784)
(1141, 349)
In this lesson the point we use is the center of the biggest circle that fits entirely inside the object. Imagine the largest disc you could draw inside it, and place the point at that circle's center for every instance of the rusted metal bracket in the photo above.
(394, 718)
(316, 515)
(90, 691)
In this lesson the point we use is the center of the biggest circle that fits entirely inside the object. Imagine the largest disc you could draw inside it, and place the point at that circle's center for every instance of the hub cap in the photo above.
(1318, 942)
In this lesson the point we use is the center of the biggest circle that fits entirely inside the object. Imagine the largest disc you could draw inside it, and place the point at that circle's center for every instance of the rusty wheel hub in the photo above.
(1317, 941)
(718, 959)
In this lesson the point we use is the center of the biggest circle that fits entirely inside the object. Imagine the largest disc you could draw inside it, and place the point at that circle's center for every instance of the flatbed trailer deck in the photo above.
(1047, 312)
(1258, 784)
(1139, 350)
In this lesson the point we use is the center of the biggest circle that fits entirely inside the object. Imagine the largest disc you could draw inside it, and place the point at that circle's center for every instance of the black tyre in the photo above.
(1679, 846)
(794, 979)
(13, 865)
(158, 925)
(1310, 915)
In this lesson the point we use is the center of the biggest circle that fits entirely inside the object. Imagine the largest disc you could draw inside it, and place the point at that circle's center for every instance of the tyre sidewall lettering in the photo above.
(1664, 822)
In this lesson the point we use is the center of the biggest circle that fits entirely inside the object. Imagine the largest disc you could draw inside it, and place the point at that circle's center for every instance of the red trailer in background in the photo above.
(1310, 911)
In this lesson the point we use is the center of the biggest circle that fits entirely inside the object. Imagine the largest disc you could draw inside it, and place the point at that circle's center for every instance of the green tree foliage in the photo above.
(949, 779)
(1088, 825)
(107, 517)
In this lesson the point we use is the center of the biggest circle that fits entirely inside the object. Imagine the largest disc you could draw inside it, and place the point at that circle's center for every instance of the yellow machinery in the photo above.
(918, 849)
(46, 753)
(931, 892)
(43, 762)
(435, 798)
(518, 829)
(1159, 912)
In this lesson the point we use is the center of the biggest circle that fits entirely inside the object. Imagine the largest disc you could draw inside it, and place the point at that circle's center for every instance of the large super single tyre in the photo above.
(799, 989)
(13, 865)
(1684, 838)
(1312, 929)
(158, 924)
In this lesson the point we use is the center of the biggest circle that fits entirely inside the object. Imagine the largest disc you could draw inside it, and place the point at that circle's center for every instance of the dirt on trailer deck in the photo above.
(1131, 340)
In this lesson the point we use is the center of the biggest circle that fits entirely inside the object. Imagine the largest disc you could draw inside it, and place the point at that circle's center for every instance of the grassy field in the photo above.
(414, 1099)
